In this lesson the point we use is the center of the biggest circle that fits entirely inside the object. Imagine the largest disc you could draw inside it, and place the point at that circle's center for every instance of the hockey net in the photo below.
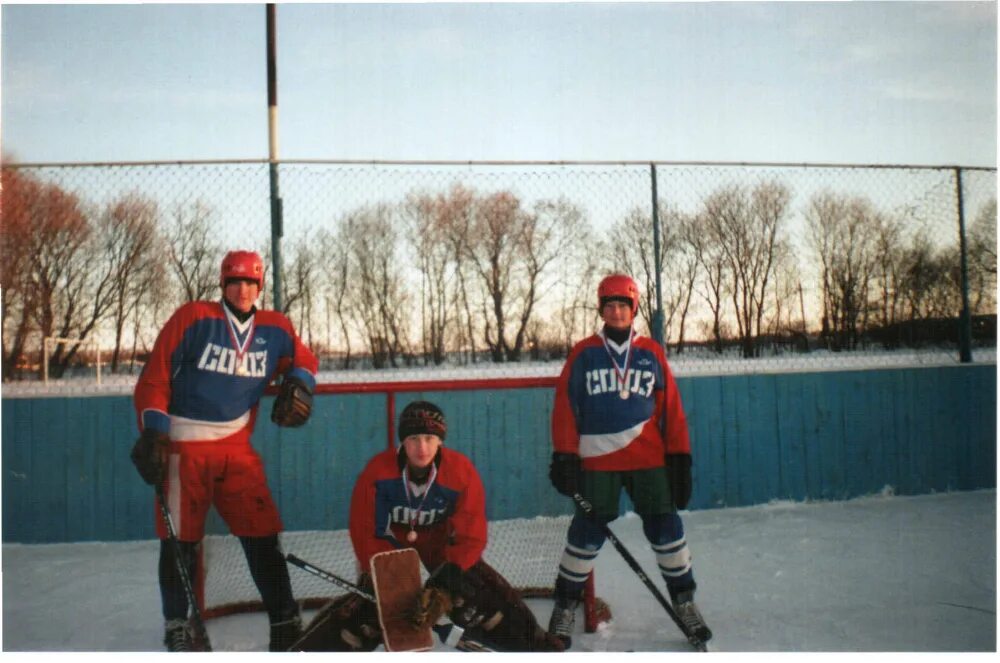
(526, 551)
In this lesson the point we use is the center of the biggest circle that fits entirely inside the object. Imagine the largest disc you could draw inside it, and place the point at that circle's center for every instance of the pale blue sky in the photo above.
(854, 82)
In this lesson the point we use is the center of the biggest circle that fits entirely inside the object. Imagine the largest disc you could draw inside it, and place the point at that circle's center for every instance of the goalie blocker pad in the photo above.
(396, 576)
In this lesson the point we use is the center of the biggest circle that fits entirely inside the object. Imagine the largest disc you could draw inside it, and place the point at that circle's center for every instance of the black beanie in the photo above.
(421, 418)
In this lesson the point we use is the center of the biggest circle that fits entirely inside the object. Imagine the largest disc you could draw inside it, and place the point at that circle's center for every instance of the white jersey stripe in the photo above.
(183, 429)
(606, 443)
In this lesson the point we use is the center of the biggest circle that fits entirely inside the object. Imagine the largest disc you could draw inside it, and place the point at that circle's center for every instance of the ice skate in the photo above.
(285, 634)
(177, 636)
(691, 617)
(562, 620)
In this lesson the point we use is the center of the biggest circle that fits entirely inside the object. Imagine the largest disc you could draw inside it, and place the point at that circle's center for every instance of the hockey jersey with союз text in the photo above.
(608, 432)
(207, 371)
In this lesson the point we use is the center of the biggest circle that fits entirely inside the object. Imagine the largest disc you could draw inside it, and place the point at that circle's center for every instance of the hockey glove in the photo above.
(149, 455)
(293, 404)
(472, 604)
(441, 592)
(432, 603)
(564, 473)
(679, 476)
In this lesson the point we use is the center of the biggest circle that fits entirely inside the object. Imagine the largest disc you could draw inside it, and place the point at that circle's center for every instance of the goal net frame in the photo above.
(533, 575)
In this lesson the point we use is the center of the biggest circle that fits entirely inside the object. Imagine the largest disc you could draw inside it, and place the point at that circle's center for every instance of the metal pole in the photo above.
(965, 318)
(272, 131)
(657, 321)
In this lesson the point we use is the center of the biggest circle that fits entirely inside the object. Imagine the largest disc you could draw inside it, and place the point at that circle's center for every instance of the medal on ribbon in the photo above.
(411, 536)
(621, 374)
(240, 349)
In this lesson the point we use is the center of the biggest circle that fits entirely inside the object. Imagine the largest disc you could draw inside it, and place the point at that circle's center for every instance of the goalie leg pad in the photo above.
(508, 624)
(396, 575)
(348, 623)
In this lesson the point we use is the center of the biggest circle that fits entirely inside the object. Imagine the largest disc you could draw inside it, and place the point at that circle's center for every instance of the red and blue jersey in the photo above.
(590, 417)
(448, 519)
(207, 371)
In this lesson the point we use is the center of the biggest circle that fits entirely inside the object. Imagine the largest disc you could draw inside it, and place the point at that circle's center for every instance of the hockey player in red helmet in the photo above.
(618, 287)
(618, 423)
(196, 403)
(242, 265)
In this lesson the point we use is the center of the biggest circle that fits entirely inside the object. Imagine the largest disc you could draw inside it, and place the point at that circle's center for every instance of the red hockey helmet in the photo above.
(242, 265)
(618, 285)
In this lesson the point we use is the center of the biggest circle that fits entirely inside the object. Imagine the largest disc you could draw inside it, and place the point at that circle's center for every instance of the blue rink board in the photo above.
(794, 436)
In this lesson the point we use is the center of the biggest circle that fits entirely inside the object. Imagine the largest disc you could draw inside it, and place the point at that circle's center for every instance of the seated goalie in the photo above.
(428, 497)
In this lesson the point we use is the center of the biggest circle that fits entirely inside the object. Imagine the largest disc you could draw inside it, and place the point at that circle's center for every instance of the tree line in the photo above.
(465, 275)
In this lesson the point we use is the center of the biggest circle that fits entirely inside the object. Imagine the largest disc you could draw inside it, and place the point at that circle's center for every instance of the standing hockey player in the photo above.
(196, 402)
(426, 496)
(618, 423)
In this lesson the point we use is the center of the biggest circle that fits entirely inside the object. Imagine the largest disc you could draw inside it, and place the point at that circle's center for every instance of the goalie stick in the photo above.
(695, 641)
(199, 624)
(450, 634)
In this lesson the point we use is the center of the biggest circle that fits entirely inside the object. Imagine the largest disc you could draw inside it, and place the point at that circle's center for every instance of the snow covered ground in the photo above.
(880, 573)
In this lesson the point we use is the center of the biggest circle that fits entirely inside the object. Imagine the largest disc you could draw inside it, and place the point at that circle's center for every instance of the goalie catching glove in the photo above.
(452, 591)
(293, 405)
(432, 604)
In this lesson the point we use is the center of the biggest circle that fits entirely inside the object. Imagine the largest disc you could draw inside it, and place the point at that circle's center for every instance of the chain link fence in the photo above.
(417, 265)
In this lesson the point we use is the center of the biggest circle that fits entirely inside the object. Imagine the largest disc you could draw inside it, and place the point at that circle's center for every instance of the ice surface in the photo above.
(881, 573)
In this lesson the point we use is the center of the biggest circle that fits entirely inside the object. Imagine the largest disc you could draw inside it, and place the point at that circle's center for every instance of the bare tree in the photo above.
(748, 226)
(149, 276)
(338, 283)
(299, 277)
(428, 228)
(982, 247)
(512, 252)
(127, 232)
(713, 284)
(67, 284)
(553, 227)
(454, 215)
(193, 252)
(577, 273)
(929, 287)
(888, 270)
(382, 302)
(21, 194)
(845, 235)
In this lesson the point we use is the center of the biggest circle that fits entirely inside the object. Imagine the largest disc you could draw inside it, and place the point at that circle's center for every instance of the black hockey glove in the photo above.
(441, 591)
(149, 455)
(451, 578)
(293, 405)
(471, 603)
(564, 473)
(679, 476)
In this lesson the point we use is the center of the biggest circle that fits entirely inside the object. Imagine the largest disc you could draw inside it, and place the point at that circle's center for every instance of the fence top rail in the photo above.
(475, 163)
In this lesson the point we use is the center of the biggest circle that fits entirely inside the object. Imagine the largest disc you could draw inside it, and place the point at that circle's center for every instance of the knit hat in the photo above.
(422, 418)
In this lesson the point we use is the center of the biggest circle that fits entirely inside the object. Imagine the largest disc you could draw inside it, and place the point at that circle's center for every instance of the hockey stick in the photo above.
(182, 570)
(695, 641)
(449, 634)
